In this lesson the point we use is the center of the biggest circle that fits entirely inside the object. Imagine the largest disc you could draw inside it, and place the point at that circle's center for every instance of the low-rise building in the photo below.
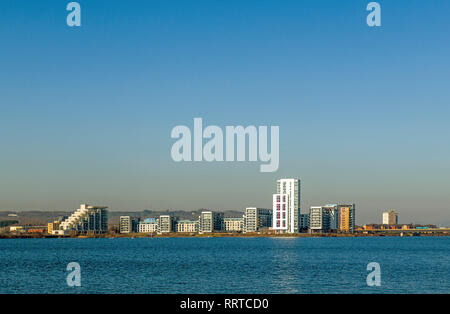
(187, 226)
(234, 224)
(149, 225)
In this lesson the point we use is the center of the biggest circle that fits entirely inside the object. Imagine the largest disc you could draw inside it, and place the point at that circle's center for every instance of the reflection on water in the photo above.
(285, 261)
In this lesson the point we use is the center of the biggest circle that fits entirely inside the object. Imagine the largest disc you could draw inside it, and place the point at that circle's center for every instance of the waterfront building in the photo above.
(210, 221)
(347, 217)
(128, 224)
(234, 224)
(390, 218)
(304, 222)
(87, 219)
(187, 226)
(53, 226)
(256, 219)
(286, 206)
(166, 224)
(333, 213)
(319, 219)
(149, 225)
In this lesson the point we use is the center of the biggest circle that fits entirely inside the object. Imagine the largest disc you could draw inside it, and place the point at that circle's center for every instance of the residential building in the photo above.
(347, 217)
(390, 218)
(187, 226)
(149, 225)
(210, 222)
(87, 219)
(53, 226)
(166, 224)
(319, 219)
(304, 222)
(234, 224)
(286, 206)
(333, 213)
(128, 224)
(256, 219)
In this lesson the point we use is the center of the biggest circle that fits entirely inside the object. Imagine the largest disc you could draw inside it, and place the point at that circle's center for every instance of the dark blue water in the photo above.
(226, 265)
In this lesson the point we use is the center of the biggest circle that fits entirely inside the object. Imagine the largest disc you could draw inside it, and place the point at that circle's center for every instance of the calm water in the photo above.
(226, 265)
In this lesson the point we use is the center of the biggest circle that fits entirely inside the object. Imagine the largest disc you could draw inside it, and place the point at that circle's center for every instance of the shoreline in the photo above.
(225, 235)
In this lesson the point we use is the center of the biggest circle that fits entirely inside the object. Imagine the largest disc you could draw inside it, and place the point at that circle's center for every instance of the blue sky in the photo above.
(86, 113)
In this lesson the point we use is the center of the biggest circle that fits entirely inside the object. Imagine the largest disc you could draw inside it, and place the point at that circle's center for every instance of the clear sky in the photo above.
(86, 113)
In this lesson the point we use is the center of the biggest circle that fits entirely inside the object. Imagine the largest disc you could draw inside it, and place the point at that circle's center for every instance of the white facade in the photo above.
(390, 218)
(125, 224)
(233, 224)
(187, 226)
(148, 227)
(286, 206)
(87, 219)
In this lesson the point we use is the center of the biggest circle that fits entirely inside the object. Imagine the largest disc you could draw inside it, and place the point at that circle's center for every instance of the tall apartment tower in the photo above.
(286, 206)
(390, 218)
(347, 217)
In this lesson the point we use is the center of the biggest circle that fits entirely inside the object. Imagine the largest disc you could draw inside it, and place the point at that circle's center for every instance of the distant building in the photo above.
(166, 224)
(319, 219)
(286, 206)
(347, 217)
(334, 216)
(256, 219)
(128, 224)
(87, 219)
(390, 218)
(304, 222)
(53, 226)
(210, 221)
(149, 225)
(234, 224)
(187, 226)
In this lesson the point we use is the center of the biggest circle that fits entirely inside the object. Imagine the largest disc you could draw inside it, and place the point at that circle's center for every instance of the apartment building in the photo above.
(187, 226)
(286, 206)
(256, 219)
(234, 224)
(347, 217)
(210, 221)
